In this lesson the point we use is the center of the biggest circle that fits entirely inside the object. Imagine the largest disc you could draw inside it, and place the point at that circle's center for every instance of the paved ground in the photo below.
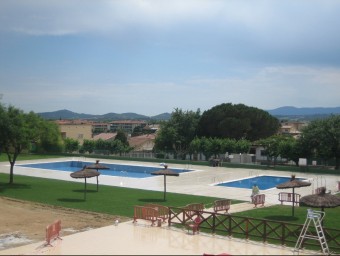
(127, 238)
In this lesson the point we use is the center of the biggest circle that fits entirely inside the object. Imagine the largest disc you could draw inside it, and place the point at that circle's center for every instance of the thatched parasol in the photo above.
(293, 183)
(322, 200)
(165, 172)
(84, 174)
(97, 166)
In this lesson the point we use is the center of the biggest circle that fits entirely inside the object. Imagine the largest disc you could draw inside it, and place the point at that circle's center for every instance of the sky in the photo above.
(153, 56)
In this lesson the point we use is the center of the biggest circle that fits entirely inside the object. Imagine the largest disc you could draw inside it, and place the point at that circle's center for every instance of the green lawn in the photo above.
(109, 199)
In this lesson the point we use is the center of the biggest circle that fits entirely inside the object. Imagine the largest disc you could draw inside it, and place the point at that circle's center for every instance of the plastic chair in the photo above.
(195, 225)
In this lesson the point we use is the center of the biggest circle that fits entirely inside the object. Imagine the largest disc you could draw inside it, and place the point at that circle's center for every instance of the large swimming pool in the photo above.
(263, 182)
(131, 171)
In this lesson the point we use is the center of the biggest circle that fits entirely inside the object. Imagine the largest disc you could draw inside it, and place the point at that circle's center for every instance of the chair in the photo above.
(195, 225)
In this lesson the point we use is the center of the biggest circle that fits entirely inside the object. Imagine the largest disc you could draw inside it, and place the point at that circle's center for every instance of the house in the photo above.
(126, 125)
(75, 129)
(105, 136)
(292, 128)
(144, 142)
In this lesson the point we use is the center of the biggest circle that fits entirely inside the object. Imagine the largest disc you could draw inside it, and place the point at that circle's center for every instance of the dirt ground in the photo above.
(23, 222)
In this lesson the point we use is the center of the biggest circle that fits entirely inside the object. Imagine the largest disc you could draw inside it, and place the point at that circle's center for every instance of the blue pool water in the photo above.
(130, 171)
(263, 182)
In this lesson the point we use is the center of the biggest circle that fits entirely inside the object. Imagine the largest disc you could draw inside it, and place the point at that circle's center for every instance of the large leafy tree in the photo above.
(177, 133)
(237, 122)
(322, 139)
(18, 131)
(278, 145)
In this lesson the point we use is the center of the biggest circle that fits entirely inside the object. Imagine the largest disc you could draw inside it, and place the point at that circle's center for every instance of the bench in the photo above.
(53, 231)
(192, 209)
(222, 205)
(145, 213)
(288, 197)
(163, 211)
(258, 199)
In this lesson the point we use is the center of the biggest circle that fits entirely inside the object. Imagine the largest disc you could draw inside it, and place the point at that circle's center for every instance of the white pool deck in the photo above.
(142, 239)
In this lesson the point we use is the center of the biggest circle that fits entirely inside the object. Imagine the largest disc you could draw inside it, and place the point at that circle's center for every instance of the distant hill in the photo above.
(67, 114)
(293, 111)
(281, 113)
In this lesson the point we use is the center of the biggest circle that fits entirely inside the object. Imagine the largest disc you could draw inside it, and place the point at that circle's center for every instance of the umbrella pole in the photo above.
(85, 190)
(97, 183)
(293, 202)
(164, 187)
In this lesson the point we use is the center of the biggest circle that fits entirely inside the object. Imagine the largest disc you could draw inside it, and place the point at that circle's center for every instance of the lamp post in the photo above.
(240, 157)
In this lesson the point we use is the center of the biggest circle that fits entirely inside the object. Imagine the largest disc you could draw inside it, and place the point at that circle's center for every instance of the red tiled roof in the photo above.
(105, 136)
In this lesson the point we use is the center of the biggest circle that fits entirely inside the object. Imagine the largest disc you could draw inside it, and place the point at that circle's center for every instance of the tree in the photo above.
(18, 131)
(71, 145)
(121, 136)
(237, 122)
(177, 133)
(50, 138)
(88, 146)
(272, 146)
(322, 138)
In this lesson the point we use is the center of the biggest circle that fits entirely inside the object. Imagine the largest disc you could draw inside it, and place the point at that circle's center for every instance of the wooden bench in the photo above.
(222, 205)
(145, 213)
(259, 199)
(288, 197)
(163, 211)
(53, 231)
(194, 208)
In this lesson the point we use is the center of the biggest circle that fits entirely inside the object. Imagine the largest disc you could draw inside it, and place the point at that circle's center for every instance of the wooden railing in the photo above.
(267, 231)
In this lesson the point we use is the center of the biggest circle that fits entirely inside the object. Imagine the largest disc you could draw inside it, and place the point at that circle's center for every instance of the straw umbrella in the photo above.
(84, 174)
(97, 166)
(165, 172)
(322, 200)
(293, 183)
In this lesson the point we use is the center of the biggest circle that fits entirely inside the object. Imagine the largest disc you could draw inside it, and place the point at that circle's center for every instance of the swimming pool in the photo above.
(131, 171)
(263, 182)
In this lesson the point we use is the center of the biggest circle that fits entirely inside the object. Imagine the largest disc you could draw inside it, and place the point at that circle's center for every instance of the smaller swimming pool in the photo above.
(263, 182)
(131, 171)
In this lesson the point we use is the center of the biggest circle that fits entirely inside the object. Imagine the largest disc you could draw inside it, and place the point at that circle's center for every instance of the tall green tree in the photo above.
(322, 139)
(177, 133)
(237, 122)
(18, 131)
(272, 146)
(121, 136)
(71, 145)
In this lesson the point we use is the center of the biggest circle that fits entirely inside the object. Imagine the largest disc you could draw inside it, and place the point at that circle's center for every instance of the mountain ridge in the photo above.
(286, 111)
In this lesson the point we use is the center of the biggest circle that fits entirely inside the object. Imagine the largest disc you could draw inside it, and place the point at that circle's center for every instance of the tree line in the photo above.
(235, 128)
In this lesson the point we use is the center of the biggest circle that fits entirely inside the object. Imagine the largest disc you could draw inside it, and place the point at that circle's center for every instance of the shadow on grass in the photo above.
(5, 186)
(71, 200)
(83, 191)
(281, 218)
(151, 200)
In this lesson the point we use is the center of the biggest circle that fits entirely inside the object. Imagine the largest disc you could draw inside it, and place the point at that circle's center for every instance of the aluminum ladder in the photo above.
(316, 217)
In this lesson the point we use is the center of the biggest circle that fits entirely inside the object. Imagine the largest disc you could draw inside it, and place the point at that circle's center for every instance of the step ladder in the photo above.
(316, 217)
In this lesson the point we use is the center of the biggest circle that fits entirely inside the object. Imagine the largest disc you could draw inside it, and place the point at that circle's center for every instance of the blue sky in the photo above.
(150, 57)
